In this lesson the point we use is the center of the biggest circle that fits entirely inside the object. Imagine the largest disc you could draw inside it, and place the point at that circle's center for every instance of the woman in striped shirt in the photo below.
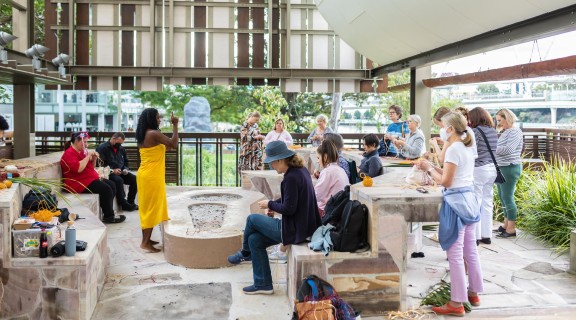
(508, 157)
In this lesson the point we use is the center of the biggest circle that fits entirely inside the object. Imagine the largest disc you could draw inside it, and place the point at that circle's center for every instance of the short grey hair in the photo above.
(322, 117)
(416, 118)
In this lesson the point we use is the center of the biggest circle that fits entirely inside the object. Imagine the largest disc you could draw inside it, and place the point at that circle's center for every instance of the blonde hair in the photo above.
(507, 115)
(458, 122)
(294, 161)
(463, 111)
(440, 113)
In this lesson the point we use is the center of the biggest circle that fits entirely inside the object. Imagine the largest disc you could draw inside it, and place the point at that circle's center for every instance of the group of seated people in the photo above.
(80, 176)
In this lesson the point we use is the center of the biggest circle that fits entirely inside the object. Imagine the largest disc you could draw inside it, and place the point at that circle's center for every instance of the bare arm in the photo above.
(155, 137)
(84, 162)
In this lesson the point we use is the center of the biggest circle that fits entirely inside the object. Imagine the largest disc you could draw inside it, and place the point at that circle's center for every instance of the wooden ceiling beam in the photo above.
(399, 88)
(554, 67)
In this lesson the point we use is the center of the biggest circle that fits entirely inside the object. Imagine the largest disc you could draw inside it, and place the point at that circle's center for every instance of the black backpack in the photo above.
(40, 198)
(314, 288)
(353, 172)
(335, 206)
(351, 234)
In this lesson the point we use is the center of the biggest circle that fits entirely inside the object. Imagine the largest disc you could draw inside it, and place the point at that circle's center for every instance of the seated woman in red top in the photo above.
(80, 176)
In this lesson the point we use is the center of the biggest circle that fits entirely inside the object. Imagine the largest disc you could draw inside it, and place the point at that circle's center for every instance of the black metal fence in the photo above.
(210, 159)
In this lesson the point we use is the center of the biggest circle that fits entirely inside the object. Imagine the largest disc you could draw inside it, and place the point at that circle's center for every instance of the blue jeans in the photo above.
(261, 232)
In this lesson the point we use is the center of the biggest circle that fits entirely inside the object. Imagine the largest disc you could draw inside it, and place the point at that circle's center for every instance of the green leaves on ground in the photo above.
(440, 295)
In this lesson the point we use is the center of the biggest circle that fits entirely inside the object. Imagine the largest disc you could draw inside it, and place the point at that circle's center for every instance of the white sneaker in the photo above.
(278, 257)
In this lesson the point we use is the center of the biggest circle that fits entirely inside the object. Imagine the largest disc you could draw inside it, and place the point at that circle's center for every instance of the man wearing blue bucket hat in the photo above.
(300, 217)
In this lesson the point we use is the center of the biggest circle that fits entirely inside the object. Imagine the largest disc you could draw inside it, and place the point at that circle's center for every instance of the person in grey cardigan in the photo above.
(413, 146)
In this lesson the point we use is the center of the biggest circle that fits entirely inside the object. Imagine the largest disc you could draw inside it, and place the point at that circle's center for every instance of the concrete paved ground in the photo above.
(523, 280)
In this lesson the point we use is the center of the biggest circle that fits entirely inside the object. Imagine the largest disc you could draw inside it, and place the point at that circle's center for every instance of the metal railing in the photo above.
(210, 159)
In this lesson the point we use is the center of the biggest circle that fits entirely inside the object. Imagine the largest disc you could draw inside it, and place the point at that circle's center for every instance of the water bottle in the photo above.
(70, 240)
(43, 244)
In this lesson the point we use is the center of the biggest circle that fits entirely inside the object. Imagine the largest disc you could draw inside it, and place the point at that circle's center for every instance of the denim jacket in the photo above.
(460, 207)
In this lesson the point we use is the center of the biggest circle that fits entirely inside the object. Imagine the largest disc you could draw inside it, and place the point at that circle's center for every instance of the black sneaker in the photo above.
(506, 235)
(117, 219)
(485, 240)
(129, 207)
(499, 230)
(258, 290)
(133, 205)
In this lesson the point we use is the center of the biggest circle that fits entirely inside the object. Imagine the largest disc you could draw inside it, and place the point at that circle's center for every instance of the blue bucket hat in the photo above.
(277, 150)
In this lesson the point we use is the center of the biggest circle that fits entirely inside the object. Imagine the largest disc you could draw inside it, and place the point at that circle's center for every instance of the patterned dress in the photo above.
(250, 148)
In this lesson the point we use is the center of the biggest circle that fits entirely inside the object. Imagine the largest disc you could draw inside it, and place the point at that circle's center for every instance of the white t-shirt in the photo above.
(463, 157)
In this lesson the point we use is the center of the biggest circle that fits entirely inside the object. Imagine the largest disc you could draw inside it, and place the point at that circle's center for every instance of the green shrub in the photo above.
(551, 211)
(546, 203)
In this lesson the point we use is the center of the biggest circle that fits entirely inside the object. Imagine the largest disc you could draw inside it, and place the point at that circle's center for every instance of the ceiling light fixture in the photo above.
(5, 39)
(36, 52)
(60, 61)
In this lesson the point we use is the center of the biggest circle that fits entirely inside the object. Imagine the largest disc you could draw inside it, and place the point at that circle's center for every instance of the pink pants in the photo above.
(465, 246)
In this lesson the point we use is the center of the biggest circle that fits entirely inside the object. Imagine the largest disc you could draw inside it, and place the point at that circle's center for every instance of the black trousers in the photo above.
(120, 180)
(106, 190)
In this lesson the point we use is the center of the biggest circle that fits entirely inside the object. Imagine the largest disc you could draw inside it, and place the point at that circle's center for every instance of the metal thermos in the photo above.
(70, 240)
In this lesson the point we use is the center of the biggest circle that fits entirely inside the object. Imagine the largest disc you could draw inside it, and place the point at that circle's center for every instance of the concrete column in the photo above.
(83, 104)
(60, 100)
(22, 26)
(572, 252)
(421, 99)
(24, 131)
(553, 115)
(101, 122)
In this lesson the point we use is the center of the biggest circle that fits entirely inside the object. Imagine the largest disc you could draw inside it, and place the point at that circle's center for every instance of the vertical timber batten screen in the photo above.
(225, 34)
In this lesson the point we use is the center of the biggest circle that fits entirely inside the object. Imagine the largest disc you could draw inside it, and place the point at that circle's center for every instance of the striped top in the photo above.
(510, 147)
(484, 157)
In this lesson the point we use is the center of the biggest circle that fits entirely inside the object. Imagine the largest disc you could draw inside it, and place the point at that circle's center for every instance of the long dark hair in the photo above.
(3, 124)
(146, 121)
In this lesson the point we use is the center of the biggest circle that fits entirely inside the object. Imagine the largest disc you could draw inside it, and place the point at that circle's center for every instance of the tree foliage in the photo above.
(6, 24)
(487, 89)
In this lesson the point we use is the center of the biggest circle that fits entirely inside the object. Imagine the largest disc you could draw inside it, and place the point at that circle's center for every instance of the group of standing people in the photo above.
(471, 153)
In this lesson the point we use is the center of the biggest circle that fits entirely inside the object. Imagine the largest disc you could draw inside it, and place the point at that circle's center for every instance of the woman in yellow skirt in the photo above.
(151, 174)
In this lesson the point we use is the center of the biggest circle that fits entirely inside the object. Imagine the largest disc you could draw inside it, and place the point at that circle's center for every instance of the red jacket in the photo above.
(74, 180)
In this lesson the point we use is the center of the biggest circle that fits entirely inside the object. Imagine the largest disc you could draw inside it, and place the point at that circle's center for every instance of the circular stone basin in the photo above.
(221, 197)
(207, 216)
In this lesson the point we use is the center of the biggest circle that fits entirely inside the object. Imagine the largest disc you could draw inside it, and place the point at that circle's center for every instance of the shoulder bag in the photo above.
(499, 176)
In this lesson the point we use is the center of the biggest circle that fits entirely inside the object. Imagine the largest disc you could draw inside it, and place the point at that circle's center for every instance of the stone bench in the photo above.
(346, 271)
(372, 282)
(53, 288)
